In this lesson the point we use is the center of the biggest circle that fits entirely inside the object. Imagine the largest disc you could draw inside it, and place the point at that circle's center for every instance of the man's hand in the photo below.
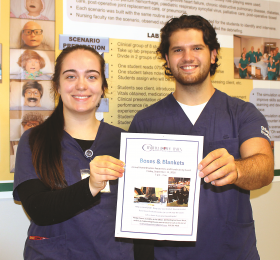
(254, 170)
(219, 168)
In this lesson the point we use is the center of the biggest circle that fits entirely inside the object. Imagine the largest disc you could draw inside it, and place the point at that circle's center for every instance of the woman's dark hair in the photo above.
(45, 139)
(186, 22)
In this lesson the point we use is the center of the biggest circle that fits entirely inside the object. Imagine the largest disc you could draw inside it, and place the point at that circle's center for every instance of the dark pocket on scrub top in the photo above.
(53, 248)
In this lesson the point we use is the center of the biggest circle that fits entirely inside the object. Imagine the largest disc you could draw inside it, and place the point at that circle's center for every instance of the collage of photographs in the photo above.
(177, 194)
(32, 56)
(256, 58)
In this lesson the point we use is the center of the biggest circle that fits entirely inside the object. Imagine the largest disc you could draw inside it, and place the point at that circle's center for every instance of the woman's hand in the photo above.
(102, 169)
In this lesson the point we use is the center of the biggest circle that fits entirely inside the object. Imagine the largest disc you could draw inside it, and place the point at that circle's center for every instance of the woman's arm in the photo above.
(46, 207)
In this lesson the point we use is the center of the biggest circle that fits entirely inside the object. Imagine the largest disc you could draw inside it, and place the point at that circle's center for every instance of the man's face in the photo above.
(34, 6)
(32, 65)
(32, 38)
(189, 58)
(252, 49)
(30, 124)
(32, 97)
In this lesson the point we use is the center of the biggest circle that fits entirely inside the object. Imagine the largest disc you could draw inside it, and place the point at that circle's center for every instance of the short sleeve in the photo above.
(252, 123)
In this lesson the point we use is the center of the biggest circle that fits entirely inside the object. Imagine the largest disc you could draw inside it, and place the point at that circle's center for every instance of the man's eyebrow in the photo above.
(192, 46)
(87, 71)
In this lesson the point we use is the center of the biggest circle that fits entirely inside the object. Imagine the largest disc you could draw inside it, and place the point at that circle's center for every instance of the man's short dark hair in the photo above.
(186, 22)
(32, 84)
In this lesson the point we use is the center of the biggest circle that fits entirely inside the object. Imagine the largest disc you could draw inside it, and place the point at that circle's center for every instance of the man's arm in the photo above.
(254, 170)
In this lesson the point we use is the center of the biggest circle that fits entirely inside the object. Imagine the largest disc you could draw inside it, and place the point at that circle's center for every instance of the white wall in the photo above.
(266, 210)
(13, 230)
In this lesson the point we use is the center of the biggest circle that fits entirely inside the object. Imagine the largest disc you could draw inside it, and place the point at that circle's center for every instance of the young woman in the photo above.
(71, 218)
(271, 74)
(243, 64)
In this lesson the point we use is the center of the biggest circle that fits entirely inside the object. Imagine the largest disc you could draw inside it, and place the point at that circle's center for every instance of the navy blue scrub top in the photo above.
(91, 233)
(225, 224)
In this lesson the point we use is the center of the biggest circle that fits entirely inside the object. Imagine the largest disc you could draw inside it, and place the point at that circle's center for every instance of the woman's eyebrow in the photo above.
(68, 71)
(87, 71)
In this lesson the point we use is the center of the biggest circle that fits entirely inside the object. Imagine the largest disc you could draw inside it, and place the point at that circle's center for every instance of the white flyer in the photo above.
(158, 196)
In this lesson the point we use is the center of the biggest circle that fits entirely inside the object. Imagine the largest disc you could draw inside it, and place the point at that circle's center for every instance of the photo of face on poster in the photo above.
(32, 9)
(31, 65)
(20, 122)
(34, 35)
(31, 95)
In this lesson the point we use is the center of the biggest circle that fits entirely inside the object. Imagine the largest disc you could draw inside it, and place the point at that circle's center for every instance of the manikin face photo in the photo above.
(31, 34)
(32, 65)
(32, 97)
(30, 124)
(189, 58)
(34, 7)
(80, 83)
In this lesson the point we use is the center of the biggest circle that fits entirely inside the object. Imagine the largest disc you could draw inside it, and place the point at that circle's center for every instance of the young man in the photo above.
(237, 153)
(259, 54)
(252, 55)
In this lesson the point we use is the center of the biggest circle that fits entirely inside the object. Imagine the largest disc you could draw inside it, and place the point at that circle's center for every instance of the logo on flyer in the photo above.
(151, 148)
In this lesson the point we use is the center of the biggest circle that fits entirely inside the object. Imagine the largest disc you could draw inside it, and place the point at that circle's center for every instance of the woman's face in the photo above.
(243, 56)
(80, 83)
(32, 65)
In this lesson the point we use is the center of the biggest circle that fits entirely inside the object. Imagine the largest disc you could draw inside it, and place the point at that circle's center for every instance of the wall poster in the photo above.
(127, 33)
(136, 76)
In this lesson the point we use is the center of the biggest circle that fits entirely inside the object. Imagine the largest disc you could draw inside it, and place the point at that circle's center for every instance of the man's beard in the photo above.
(191, 80)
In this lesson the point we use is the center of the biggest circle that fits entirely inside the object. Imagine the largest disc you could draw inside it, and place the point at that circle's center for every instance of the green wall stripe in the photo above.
(6, 187)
